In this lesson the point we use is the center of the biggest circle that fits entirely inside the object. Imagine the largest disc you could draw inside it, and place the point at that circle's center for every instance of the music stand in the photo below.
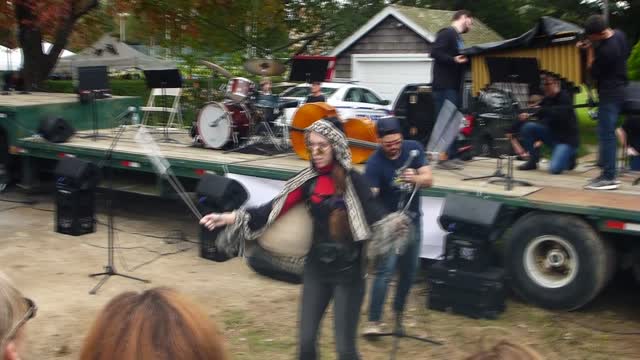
(93, 80)
(310, 69)
(510, 71)
(163, 79)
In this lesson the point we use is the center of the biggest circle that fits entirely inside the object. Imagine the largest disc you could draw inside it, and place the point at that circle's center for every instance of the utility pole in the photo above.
(605, 11)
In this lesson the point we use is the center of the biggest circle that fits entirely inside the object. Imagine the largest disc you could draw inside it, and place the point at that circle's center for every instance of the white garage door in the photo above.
(387, 74)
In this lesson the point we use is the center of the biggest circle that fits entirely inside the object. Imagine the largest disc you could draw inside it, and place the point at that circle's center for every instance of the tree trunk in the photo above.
(36, 64)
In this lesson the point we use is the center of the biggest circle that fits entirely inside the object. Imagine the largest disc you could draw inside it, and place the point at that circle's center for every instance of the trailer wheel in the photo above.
(557, 261)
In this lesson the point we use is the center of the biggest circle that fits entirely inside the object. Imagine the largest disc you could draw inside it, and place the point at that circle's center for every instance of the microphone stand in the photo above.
(109, 269)
(398, 330)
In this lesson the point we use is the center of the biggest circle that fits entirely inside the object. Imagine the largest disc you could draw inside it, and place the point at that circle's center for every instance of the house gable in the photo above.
(389, 36)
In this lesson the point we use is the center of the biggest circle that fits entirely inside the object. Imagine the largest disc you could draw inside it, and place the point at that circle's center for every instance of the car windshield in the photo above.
(304, 91)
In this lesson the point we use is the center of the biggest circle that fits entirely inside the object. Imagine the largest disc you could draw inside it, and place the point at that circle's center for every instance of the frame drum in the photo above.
(290, 234)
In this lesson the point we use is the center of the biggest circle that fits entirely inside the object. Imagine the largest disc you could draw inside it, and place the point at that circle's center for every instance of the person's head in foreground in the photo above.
(158, 324)
(15, 312)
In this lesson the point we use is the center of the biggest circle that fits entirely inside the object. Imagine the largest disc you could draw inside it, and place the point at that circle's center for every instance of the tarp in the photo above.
(11, 59)
(547, 29)
(114, 54)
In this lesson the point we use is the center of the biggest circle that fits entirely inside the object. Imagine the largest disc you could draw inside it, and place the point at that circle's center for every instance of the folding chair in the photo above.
(155, 106)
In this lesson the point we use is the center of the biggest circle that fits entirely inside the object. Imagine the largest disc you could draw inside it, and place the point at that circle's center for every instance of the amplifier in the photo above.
(75, 211)
(473, 294)
(467, 253)
(471, 215)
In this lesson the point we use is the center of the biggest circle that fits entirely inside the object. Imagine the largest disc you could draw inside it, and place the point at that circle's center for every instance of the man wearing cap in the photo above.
(394, 169)
(607, 52)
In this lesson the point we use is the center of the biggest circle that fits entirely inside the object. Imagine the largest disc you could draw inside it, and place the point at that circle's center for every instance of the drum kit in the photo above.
(236, 121)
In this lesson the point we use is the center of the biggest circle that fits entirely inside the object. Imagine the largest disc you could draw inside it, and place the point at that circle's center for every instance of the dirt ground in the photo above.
(257, 315)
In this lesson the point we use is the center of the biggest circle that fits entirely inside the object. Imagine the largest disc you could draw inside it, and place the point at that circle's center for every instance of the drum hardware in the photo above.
(264, 67)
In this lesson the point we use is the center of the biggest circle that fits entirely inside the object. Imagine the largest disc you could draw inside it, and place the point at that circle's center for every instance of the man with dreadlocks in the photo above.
(349, 225)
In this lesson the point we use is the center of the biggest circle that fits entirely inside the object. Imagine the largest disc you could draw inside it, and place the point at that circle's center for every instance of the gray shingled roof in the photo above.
(433, 20)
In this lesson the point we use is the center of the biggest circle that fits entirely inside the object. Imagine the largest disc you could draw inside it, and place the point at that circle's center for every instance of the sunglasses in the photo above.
(30, 314)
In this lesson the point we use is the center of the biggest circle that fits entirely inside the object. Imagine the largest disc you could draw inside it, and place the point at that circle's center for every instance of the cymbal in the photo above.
(217, 68)
(264, 67)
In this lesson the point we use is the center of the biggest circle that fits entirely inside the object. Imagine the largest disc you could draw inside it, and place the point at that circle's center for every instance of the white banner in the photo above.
(262, 190)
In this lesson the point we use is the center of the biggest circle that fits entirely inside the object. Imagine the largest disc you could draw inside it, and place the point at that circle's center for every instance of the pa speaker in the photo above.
(221, 193)
(74, 173)
(467, 215)
(55, 129)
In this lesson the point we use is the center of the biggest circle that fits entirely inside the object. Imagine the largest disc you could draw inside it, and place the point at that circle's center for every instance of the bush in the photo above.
(633, 64)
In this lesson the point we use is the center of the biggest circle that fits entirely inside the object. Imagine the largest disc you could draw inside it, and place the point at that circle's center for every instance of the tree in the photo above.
(633, 63)
(35, 20)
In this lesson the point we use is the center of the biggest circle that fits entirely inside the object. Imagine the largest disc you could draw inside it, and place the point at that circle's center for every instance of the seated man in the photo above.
(629, 134)
(513, 133)
(557, 126)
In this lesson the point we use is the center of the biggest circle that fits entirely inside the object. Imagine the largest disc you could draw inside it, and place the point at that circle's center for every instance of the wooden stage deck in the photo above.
(563, 190)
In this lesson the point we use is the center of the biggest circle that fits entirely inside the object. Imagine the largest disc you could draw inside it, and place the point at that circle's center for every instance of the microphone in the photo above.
(405, 166)
(412, 154)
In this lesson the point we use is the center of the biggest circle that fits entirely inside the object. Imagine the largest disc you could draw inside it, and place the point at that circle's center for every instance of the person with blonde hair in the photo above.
(159, 324)
(15, 312)
(506, 350)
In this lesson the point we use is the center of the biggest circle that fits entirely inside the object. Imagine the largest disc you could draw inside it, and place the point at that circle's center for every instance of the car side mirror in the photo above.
(385, 102)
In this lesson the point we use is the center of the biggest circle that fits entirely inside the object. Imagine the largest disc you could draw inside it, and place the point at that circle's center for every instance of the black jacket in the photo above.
(558, 114)
(447, 74)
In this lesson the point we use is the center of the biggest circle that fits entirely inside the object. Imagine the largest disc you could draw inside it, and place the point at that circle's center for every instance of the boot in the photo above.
(529, 165)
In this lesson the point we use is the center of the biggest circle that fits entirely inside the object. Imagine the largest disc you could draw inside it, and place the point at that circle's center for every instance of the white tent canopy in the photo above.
(112, 53)
(11, 59)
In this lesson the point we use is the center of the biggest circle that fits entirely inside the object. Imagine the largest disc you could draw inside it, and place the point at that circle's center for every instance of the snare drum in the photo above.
(220, 123)
(239, 88)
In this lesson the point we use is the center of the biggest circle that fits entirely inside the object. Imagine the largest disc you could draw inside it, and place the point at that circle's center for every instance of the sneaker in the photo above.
(529, 165)
(599, 177)
(448, 165)
(458, 162)
(373, 328)
(602, 184)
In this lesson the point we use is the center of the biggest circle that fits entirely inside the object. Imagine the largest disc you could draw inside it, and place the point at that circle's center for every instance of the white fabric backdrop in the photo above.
(261, 190)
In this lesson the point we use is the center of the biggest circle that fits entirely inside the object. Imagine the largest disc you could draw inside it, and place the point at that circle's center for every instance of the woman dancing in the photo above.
(348, 226)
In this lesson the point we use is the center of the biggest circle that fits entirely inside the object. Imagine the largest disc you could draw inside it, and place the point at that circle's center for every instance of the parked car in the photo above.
(350, 100)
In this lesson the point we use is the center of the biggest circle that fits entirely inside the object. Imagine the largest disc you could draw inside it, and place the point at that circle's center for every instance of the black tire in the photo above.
(5, 164)
(587, 261)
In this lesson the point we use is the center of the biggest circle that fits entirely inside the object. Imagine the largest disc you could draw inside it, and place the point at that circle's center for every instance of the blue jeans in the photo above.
(561, 155)
(439, 96)
(406, 265)
(634, 163)
(608, 112)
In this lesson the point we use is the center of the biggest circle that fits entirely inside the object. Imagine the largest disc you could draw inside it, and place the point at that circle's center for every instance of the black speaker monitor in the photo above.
(74, 173)
(221, 192)
(55, 129)
(93, 78)
(311, 68)
(470, 215)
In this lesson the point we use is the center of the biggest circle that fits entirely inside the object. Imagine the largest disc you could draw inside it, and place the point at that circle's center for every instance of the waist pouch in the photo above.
(334, 257)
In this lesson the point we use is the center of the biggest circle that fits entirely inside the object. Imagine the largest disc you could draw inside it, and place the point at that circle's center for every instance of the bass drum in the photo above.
(221, 123)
